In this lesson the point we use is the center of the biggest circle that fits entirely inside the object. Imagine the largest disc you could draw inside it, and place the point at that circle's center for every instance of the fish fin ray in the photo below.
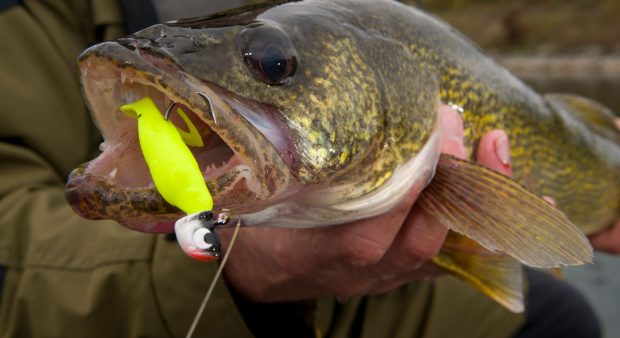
(496, 275)
(501, 215)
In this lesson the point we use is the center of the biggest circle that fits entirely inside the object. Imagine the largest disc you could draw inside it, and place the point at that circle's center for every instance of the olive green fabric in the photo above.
(68, 277)
(445, 308)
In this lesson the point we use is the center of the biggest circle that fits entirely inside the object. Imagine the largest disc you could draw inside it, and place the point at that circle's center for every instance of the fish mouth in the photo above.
(243, 159)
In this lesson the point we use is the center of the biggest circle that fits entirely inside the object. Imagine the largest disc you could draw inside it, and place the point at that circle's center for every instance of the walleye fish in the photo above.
(322, 112)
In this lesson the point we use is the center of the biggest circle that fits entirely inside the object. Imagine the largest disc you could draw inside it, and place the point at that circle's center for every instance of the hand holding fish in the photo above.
(367, 256)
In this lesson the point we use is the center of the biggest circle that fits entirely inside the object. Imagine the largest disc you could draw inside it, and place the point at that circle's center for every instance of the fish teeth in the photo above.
(112, 173)
(130, 96)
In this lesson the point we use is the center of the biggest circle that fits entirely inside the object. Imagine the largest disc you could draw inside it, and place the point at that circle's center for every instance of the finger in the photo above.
(427, 271)
(608, 240)
(363, 242)
(419, 239)
(549, 200)
(452, 132)
(494, 152)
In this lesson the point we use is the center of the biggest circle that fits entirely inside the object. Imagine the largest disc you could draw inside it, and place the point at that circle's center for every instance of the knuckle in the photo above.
(426, 251)
(350, 290)
(417, 251)
(362, 250)
(424, 238)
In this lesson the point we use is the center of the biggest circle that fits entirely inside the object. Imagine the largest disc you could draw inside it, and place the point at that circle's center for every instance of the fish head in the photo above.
(286, 102)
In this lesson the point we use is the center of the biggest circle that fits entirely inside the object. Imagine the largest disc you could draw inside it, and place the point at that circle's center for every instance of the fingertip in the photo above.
(549, 200)
(451, 121)
(494, 151)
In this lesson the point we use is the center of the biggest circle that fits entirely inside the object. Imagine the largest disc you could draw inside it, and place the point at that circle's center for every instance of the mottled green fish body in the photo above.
(323, 112)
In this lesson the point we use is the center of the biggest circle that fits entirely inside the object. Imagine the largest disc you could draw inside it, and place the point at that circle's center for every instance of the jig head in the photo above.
(197, 237)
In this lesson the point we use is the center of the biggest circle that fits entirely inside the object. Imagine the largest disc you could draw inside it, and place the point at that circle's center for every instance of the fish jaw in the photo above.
(245, 167)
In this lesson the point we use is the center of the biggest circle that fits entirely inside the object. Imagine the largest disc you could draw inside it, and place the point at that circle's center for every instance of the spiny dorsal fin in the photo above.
(497, 275)
(241, 15)
(502, 215)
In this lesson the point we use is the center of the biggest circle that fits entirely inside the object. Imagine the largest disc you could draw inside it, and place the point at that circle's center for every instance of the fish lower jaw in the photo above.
(143, 208)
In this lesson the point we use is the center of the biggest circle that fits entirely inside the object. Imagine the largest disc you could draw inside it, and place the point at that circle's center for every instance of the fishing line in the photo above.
(215, 279)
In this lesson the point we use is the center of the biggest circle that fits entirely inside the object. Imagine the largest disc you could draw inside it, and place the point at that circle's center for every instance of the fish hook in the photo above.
(169, 110)
(206, 98)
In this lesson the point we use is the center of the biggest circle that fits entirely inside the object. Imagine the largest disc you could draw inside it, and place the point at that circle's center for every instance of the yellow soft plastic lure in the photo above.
(174, 169)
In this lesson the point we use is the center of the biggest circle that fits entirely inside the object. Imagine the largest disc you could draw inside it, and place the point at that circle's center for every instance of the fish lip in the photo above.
(94, 197)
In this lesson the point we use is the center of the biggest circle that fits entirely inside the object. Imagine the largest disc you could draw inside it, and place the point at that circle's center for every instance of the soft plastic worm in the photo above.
(174, 169)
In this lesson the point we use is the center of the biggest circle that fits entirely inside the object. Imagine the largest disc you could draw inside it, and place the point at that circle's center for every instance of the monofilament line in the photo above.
(213, 282)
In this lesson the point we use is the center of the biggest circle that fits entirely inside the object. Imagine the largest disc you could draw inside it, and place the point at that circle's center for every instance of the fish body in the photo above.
(322, 112)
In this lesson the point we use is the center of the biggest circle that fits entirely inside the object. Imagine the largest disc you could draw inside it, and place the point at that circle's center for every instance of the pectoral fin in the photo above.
(497, 275)
(502, 215)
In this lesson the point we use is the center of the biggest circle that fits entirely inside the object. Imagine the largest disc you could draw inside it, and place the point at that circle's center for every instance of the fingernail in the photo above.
(549, 200)
(502, 149)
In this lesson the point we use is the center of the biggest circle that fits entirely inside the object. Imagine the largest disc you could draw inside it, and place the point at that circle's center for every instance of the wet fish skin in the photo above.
(361, 105)
(397, 62)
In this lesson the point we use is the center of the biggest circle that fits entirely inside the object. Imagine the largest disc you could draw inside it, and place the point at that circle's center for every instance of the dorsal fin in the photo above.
(236, 16)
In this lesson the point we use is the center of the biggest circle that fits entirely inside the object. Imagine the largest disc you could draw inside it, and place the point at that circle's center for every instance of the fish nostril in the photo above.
(138, 43)
(127, 43)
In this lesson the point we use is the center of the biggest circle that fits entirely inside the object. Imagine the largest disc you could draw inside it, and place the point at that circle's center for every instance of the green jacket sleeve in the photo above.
(65, 276)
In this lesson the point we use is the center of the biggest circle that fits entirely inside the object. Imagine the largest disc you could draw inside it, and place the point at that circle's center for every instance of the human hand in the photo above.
(367, 256)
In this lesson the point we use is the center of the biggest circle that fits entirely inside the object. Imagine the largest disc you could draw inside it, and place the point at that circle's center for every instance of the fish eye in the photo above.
(268, 53)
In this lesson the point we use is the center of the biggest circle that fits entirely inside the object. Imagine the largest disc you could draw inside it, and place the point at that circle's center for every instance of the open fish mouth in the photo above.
(242, 159)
